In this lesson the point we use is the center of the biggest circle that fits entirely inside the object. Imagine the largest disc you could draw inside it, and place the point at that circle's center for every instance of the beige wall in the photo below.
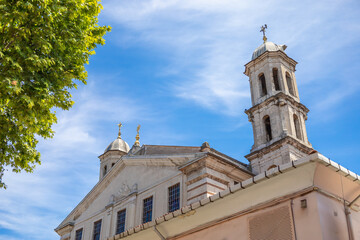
(324, 218)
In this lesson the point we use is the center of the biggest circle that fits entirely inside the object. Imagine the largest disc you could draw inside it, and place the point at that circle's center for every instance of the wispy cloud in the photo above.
(208, 42)
(33, 203)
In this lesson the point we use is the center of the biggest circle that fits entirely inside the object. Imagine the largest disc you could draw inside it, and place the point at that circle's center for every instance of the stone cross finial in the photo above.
(120, 125)
(262, 29)
(137, 143)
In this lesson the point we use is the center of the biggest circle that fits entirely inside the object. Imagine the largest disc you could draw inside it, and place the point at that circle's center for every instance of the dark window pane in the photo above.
(120, 226)
(263, 85)
(147, 210)
(267, 128)
(78, 234)
(290, 85)
(297, 127)
(174, 197)
(97, 229)
(276, 79)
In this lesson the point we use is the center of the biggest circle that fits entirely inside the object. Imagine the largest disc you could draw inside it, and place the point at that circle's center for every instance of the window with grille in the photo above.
(97, 229)
(174, 197)
(147, 209)
(120, 224)
(78, 234)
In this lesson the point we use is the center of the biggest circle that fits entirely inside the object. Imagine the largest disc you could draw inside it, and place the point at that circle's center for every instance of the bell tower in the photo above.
(277, 115)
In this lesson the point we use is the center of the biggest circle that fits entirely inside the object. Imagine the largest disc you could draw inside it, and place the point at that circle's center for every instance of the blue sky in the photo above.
(176, 67)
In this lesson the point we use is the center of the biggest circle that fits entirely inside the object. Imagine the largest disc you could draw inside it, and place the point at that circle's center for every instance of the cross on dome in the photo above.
(120, 125)
(137, 143)
(262, 29)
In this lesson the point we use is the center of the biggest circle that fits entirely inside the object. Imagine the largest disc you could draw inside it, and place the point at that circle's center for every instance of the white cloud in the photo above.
(34, 204)
(208, 42)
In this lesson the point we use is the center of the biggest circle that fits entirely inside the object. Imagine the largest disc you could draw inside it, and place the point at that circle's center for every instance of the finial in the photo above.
(120, 125)
(205, 147)
(137, 143)
(262, 29)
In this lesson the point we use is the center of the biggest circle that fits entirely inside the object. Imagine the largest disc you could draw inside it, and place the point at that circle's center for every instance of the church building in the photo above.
(287, 191)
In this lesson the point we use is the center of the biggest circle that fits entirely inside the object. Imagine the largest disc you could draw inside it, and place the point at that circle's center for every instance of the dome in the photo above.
(118, 144)
(267, 46)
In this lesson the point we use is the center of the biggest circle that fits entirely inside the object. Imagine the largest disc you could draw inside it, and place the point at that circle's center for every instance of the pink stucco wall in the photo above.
(324, 218)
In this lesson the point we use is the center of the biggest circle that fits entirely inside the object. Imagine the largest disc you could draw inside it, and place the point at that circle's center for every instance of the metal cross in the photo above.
(137, 143)
(138, 128)
(120, 125)
(262, 29)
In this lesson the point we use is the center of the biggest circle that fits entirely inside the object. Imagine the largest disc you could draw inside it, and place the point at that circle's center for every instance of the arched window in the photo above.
(272, 166)
(297, 127)
(112, 164)
(267, 128)
(276, 79)
(263, 90)
(105, 170)
(289, 83)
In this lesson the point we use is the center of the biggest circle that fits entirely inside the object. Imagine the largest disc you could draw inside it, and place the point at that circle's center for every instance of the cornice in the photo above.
(277, 99)
(268, 54)
(112, 152)
(93, 194)
(278, 144)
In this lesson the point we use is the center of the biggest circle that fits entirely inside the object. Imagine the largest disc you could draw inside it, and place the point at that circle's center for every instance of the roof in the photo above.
(164, 150)
(267, 46)
(118, 144)
(250, 183)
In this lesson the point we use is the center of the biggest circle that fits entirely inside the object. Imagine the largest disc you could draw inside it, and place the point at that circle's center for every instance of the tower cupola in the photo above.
(112, 154)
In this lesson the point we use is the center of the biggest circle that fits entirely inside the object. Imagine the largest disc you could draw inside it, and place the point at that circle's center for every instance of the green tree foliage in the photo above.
(44, 46)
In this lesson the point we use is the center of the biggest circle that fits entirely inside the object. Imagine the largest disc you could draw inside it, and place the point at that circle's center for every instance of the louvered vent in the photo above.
(272, 225)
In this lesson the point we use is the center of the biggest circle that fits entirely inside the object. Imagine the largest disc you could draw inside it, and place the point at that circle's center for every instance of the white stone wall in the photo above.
(151, 181)
(280, 106)
(281, 155)
(266, 66)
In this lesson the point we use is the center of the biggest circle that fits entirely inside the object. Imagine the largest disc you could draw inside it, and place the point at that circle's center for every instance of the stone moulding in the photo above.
(275, 145)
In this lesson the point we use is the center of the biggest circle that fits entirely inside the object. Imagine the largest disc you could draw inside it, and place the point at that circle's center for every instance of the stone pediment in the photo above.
(125, 189)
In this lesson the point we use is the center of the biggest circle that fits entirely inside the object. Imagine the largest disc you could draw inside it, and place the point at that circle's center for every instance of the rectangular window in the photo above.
(147, 209)
(174, 197)
(78, 234)
(97, 229)
(120, 225)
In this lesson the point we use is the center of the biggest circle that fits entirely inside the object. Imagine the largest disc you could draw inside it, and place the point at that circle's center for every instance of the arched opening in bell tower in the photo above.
(276, 79)
(289, 83)
(297, 127)
(105, 170)
(267, 125)
(263, 90)
(272, 166)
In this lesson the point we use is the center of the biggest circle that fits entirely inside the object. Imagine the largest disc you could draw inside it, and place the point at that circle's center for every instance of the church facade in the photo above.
(287, 191)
